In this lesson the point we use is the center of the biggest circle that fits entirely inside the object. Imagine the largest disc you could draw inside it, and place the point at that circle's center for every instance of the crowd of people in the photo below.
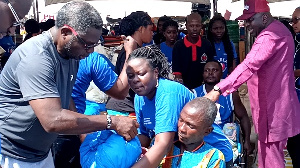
(169, 102)
(32, 28)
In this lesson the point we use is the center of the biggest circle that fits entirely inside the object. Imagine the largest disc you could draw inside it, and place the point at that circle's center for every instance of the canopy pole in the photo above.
(215, 8)
(35, 10)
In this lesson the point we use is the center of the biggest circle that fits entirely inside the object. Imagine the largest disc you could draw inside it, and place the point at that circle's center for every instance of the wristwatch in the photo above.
(216, 88)
(108, 119)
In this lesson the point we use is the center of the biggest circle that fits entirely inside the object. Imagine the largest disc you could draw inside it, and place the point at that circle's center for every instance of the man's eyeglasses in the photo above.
(18, 21)
(86, 46)
(295, 20)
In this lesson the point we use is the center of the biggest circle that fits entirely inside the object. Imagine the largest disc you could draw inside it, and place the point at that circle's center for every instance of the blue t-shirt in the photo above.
(167, 51)
(226, 105)
(207, 156)
(218, 140)
(8, 45)
(94, 67)
(161, 114)
(222, 57)
(146, 44)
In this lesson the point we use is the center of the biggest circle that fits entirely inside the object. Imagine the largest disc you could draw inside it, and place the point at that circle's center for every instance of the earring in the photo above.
(156, 83)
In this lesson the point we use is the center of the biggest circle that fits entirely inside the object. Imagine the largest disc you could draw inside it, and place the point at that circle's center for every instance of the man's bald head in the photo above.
(204, 109)
(193, 26)
(194, 16)
(195, 121)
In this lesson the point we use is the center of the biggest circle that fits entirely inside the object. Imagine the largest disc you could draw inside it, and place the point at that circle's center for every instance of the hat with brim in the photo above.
(245, 16)
(252, 7)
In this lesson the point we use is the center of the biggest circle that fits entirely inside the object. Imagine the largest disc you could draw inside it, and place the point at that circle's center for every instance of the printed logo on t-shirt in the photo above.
(147, 121)
(223, 67)
(223, 62)
(203, 58)
(72, 77)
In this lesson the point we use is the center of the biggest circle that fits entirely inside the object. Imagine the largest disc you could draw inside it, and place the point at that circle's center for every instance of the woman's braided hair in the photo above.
(130, 24)
(155, 58)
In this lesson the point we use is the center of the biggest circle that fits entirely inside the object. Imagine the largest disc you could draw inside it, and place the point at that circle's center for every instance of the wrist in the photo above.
(217, 89)
(109, 121)
(114, 120)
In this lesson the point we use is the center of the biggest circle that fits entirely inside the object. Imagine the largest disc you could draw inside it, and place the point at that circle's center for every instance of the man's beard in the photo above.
(68, 51)
(211, 83)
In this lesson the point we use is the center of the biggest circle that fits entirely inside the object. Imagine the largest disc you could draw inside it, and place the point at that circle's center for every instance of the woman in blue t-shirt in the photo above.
(158, 103)
(170, 31)
(219, 38)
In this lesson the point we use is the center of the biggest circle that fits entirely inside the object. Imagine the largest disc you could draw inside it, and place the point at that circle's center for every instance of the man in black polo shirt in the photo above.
(191, 53)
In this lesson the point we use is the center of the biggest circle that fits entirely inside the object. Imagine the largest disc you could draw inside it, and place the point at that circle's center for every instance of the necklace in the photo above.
(170, 157)
(137, 44)
(51, 36)
(298, 44)
(297, 49)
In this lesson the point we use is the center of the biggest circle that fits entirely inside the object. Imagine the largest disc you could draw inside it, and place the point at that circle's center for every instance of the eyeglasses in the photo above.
(18, 21)
(295, 20)
(86, 46)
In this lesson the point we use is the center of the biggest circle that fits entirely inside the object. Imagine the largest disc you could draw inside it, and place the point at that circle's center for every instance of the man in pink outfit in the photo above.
(268, 71)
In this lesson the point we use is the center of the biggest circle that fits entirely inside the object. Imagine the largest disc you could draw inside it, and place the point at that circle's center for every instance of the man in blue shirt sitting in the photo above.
(195, 122)
(232, 103)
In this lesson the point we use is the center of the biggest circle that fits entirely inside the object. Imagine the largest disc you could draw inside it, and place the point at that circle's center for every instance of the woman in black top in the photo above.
(139, 26)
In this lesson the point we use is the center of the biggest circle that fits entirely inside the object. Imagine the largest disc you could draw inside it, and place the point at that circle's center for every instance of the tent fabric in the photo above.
(106, 148)
(49, 2)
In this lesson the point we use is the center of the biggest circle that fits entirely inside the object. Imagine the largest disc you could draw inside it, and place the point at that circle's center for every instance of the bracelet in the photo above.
(109, 121)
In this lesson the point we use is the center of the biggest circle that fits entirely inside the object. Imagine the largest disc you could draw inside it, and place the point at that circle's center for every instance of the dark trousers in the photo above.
(293, 147)
(65, 151)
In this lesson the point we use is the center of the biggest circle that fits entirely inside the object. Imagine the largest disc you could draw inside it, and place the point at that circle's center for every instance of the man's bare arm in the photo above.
(241, 114)
(55, 119)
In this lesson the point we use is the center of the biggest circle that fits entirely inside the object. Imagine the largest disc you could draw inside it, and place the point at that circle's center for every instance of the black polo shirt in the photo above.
(189, 66)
